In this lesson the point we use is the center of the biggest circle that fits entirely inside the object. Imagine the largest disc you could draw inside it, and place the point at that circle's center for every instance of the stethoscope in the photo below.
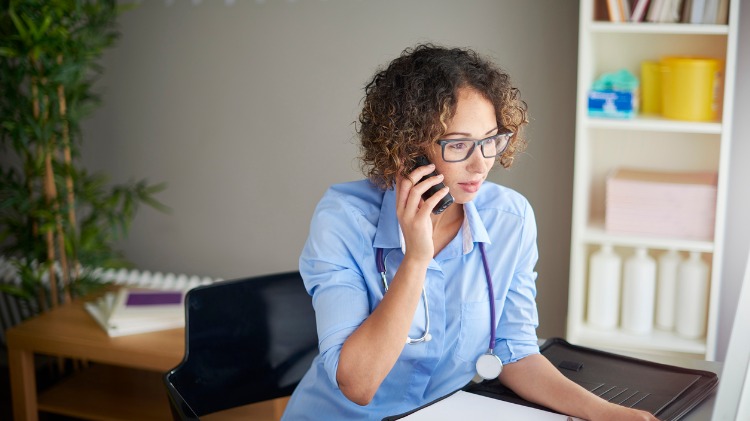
(488, 364)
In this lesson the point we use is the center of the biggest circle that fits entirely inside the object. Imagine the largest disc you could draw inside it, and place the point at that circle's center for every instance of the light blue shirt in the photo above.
(339, 269)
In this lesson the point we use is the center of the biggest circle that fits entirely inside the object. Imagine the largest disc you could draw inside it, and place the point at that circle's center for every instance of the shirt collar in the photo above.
(389, 235)
(473, 228)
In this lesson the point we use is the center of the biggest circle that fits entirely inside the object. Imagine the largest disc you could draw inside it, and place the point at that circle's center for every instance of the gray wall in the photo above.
(247, 112)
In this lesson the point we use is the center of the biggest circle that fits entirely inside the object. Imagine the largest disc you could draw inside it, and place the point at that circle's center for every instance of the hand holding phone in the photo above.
(446, 201)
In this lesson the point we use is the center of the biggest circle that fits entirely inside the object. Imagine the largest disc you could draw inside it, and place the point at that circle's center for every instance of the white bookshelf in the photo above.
(646, 142)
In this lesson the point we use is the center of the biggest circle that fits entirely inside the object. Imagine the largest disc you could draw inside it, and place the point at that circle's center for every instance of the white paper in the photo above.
(465, 405)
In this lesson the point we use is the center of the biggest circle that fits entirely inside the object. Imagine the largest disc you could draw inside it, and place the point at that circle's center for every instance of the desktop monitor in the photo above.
(733, 397)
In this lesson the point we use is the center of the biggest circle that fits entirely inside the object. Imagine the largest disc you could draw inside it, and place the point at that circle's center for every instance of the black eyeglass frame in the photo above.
(481, 142)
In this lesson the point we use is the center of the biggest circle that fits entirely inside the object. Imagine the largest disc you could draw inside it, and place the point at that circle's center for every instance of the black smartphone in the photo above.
(446, 200)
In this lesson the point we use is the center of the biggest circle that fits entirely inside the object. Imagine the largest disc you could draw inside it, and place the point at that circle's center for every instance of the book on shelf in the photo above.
(654, 10)
(710, 12)
(696, 11)
(713, 12)
(129, 311)
(673, 13)
(722, 15)
(614, 7)
(685, 13)
(639, 10)
(663, 11)
(600, 10)
(625, 10)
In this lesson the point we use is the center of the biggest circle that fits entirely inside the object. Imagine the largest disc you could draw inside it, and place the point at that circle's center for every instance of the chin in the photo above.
(463, 198)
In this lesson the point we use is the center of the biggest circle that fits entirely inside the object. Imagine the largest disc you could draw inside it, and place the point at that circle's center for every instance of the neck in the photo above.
(449, 218)
(446, 225)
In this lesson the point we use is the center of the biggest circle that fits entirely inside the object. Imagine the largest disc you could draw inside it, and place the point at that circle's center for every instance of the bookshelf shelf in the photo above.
(651, 143)
(657, 28)
(654, 123)
(659, 341)
(596, 234)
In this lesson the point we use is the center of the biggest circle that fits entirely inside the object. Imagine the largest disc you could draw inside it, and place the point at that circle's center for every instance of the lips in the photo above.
(470, 187)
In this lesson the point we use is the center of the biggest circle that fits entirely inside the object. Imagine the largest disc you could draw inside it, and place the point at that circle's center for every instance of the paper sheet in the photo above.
(464, 405)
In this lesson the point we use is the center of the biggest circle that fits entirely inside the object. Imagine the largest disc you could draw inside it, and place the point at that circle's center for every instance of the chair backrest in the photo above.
(246, 341)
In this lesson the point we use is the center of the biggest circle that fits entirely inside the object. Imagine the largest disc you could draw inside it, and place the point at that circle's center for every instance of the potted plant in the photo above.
(58, 222)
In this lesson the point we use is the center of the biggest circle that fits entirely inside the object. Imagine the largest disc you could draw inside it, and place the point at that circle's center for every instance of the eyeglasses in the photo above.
(457, 150)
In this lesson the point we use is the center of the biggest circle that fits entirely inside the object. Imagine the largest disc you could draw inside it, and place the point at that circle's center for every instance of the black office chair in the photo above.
(246, 341)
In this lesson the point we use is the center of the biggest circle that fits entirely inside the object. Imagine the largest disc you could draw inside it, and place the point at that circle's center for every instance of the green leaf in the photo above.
(18, 24)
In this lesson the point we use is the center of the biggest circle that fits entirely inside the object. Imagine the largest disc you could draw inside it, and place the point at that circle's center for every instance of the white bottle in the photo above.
(692, 297)
(638, 293)
(604, 288)
(666, 289)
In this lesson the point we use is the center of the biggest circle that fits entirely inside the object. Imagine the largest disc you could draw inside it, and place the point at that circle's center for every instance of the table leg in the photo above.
(23, 384)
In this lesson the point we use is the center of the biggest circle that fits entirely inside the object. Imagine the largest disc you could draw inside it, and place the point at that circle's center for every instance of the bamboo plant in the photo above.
(57, 220)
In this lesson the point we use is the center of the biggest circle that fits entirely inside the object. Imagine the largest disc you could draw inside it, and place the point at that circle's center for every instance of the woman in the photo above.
(384, 353)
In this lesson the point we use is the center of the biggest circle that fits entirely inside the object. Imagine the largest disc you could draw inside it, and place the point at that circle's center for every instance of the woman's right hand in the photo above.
(414, 213)
(370, 352)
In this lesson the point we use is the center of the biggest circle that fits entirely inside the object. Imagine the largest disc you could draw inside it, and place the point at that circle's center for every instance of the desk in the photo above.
(69, 331)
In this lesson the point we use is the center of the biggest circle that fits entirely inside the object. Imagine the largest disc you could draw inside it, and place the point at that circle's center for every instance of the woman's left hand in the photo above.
(613, 412)
(535, 379)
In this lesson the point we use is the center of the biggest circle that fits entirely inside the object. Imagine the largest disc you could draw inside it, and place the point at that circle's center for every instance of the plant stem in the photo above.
(50, 197)
(35, 107)
(68, 159)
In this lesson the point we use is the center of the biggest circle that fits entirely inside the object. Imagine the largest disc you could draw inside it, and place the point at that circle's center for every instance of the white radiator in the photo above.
(14, 310)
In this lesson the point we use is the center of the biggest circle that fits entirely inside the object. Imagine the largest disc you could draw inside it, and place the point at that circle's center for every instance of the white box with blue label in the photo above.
(614, 95)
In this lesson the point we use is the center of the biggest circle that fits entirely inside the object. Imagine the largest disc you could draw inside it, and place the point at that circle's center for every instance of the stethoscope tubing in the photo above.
(491, 290)
(380, 262)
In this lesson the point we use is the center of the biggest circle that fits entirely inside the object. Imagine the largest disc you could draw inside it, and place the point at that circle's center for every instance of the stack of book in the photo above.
(672, 204)
(665, 11)
(129, 311)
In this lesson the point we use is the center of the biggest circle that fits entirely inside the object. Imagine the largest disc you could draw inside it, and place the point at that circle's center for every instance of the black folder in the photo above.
(667, 391)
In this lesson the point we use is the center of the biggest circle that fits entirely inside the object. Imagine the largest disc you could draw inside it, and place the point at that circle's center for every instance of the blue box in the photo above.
(613, 104)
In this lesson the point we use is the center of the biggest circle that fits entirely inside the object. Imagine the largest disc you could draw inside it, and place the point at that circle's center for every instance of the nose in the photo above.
(477, 163)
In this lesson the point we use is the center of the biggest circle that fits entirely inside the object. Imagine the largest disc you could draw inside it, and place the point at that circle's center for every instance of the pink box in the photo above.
(671, 204)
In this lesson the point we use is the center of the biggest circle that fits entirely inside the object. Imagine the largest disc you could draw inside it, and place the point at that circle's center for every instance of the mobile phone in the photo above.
(446, 200)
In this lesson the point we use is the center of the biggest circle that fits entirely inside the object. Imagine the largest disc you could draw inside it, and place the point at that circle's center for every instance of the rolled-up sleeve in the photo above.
(519, 320)
(332, 276)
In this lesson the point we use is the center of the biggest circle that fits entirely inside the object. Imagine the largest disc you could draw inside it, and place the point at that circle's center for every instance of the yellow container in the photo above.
(650, 88)
(691, 88)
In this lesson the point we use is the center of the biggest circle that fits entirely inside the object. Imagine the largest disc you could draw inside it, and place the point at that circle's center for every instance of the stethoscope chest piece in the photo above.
(489, 366)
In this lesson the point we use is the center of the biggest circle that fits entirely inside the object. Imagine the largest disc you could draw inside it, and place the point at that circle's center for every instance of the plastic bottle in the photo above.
(692, 297)
(666, 289)
(604, 288)
(638, 293)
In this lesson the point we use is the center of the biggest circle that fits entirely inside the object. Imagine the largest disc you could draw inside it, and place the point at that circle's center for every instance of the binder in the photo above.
(669, 392)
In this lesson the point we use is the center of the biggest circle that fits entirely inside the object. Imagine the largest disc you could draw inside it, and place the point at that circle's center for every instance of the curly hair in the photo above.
(407, 107)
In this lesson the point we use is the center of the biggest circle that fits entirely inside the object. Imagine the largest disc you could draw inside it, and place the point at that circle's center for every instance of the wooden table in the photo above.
(130, 370)
(124, 382)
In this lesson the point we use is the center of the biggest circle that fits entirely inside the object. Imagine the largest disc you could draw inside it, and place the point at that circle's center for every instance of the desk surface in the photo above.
(70, 331)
